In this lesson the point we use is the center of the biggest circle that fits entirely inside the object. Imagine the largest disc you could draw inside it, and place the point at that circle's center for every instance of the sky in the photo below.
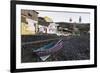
(65, 16)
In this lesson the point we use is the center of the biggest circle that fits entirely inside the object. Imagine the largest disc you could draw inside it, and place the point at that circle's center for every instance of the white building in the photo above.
(52, 28)
(31, 24)
(42, 29)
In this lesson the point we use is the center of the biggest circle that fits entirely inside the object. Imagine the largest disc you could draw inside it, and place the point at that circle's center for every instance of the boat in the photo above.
(49, 49)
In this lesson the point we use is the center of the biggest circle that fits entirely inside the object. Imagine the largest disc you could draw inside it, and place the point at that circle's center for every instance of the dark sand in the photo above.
(74, 48)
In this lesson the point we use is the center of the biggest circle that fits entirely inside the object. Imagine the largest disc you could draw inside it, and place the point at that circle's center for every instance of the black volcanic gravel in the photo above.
(74, 48)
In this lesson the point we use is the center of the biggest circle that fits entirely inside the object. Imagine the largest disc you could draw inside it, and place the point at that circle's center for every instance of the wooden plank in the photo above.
(40, 41)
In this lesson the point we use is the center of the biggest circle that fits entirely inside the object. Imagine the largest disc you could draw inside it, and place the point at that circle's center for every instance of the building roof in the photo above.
(42, 21)
(35, 11)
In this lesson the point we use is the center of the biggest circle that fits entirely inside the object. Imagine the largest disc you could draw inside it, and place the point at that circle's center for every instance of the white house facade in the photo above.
(52, 28)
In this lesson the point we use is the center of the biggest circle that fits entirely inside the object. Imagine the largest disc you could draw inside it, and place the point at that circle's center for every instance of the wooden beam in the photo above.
(40, 41)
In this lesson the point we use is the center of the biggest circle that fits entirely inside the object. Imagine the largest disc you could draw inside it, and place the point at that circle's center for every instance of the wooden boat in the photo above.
(51, 48)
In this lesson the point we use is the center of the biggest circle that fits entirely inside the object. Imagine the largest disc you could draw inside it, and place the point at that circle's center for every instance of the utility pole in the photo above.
(70, 20)
(80, 19)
